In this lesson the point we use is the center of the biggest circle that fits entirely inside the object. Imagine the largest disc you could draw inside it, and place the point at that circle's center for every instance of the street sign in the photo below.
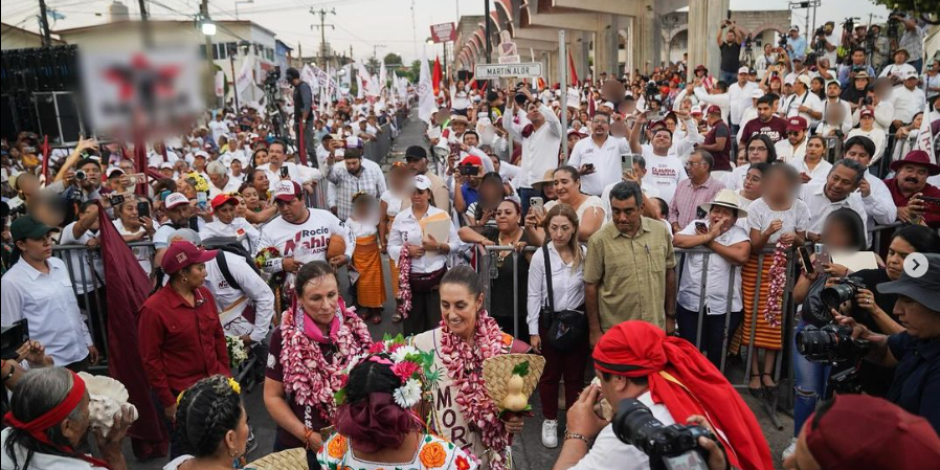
(496, 71)
(445, 32)
(510, 59)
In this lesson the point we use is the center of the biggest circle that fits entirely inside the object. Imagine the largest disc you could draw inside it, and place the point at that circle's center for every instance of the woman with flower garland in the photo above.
(377, 425)
(461, 411)
(213, 426)
(315, 343)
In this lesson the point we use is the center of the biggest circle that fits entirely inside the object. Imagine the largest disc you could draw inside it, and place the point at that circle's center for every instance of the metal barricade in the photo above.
(379, 148)
(485, 268)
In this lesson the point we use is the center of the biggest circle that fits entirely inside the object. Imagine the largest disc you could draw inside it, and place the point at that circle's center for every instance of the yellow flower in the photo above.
(235, 386)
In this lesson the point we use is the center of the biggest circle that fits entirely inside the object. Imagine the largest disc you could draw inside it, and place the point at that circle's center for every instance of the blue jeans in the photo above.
(918, 65)
(728, 77)
(810, 380)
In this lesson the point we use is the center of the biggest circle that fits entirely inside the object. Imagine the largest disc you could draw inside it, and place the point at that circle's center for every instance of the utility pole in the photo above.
(489, 35)
(375, 54)
(145, 24)
(231, 56)
(204, 10)
(44, 20)
(324, 52)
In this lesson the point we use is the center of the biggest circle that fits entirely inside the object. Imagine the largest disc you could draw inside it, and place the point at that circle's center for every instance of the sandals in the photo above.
(757, 392)
(397, 318)
(768, 389)
(377, 318)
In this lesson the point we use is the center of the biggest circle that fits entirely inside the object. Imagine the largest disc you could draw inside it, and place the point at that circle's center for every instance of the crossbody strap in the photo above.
(548, 278)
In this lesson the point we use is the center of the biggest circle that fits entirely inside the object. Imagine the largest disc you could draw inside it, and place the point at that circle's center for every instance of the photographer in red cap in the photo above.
(181, 337)
(636, 360)
(858, 432)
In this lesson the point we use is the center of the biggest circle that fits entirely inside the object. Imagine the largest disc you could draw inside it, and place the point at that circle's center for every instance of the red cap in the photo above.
(796, 124)
(713, 110)
(657, 124)
(861, 432)
(287, 191)
(182, 255)
(917, 157)
(472, 160)
(223, 199)
(867, 112)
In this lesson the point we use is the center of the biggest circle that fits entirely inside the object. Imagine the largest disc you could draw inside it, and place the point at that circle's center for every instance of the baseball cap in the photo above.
(422, 183)
(713, 110)
(175, 200)
(796, 124)
(114, 172)
(862, 74)
(287, 191)
(201, 154)
(743, 70)
(866, 112)
(28, 228)
(804, 79)
(181, 255)
(223, 199)
(861, 432)
(696, 111)
(472, 160)
(166, 166)
(795, 28)
(416, 153)
(922, 289)
(911, 74)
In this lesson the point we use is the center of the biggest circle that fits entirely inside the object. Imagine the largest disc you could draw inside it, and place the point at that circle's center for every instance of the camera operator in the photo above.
(636, 360)
(764, 62)
(303, 117)
(796, 44)
(912, 40)
(826, 45)
(864, 433)
(857, 64)
(730, 44)
(915, 353)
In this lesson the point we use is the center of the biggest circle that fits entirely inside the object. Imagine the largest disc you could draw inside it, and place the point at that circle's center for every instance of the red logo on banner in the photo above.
(446, 32)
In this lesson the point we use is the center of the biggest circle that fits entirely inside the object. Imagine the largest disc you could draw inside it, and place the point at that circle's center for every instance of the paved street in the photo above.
(529, 453)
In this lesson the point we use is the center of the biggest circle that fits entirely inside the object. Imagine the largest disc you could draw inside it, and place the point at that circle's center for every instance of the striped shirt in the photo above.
(684, 208)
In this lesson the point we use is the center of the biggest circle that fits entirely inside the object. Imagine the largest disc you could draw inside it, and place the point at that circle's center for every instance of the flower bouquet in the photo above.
(237, 354)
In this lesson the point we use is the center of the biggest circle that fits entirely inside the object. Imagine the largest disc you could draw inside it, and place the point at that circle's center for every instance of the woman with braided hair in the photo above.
(213, 426)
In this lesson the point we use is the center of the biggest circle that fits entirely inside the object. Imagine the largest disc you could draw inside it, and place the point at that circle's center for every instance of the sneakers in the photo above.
(550, 433)
(789, 451)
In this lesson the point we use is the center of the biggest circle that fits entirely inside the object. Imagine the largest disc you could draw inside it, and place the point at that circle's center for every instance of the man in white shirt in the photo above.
(665, 168)
(837, 192)
(908, 100)
(598, 158)
(629, 362)
(794, 146)
(834, 99)
(219, 180)
(717, 96)
(763, 62)
(639, 174)
(899, 69)
(879, 204)
(541, 134)
(218, 127)
(802, 102)
(275, 169)
(740, 95)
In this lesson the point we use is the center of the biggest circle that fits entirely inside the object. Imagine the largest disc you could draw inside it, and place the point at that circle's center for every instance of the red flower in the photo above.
(462, 463)
(395, 347)
(404, 370)
(378, 347)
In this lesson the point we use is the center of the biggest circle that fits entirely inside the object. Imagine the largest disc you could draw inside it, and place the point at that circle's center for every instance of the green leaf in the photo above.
(387, 337)
(340, 397)
(521, 369)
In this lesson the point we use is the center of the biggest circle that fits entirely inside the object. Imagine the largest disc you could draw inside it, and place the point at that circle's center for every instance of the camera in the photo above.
(469, 170)
(831, 343)
(668, 447)
(12, 338)
(80, 175)
(782, 42)
(845, 291)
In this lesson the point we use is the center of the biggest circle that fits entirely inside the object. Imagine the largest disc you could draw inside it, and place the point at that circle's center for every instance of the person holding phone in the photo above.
(136, 226)
(909, 187)
(598, 157)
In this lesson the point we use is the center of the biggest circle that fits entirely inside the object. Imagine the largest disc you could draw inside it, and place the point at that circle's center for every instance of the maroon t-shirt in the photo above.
(308, 415)
(722, 157)
(776, 129)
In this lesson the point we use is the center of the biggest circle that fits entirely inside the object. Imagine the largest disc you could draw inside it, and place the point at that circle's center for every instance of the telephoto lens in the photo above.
(831, 343)
(845, 291)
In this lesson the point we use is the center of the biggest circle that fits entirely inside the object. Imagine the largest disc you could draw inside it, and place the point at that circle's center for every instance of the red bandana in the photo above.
(683, 379)
(37, 428)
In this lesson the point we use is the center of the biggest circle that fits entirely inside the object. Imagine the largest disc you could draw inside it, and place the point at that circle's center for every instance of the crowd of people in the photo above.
(665, 236)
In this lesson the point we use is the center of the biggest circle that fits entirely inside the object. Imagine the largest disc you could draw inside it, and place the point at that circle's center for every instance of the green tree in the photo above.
(393, 59)
(373, 65)
(927, 8)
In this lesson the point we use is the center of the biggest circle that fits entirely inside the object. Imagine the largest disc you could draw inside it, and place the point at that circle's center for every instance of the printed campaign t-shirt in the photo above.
(304, 242)
(663, 173)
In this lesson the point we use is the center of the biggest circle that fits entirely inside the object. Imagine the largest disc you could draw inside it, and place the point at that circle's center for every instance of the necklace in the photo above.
(510, 241)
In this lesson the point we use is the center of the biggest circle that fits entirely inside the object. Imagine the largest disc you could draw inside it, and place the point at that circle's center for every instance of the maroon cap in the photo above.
(866, 112)
(713, 110)
(861, 432)
(917, 157)
(287, 191)
(796, 124)
(182, 255)
(658, 125)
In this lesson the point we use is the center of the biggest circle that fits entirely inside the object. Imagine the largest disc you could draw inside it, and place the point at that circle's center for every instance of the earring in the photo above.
(185, 281)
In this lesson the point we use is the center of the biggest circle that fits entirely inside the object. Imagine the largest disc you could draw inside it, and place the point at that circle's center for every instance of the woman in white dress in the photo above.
(590, 209)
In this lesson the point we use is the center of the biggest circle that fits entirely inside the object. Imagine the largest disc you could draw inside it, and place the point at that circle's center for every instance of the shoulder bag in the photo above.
(565, 329)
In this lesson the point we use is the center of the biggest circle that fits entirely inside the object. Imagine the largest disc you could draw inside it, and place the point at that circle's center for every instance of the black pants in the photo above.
(309, 145)
(713, 331)
(425, 313)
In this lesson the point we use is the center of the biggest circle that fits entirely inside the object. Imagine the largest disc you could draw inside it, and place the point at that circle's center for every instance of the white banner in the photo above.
(426, 104)
(925, 140)
(219, 84)
(245, 76)
(310, 78)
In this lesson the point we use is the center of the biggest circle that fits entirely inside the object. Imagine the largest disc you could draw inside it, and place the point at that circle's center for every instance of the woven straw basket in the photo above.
(498, 370)
(293, 459)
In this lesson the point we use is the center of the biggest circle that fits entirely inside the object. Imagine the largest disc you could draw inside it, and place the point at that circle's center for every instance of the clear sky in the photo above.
(361, 24)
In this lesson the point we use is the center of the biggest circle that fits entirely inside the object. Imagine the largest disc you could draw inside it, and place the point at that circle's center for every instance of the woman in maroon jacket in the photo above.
(181, 338)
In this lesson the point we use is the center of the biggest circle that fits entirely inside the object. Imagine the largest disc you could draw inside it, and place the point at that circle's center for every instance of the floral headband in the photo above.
(414, 368)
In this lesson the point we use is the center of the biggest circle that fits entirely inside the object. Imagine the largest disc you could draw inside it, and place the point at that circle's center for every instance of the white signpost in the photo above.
(498, 71)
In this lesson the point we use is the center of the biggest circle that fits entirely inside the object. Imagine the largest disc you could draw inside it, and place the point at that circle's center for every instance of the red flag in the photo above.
(591, 106)
(142, 163)
(45, 159)
(572, 71)
(128, 289)
(437, 75)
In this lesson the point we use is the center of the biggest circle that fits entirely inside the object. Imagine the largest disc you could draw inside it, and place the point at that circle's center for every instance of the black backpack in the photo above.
(233, 246)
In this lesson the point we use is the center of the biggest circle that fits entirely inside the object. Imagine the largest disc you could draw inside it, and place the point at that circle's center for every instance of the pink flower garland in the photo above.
(778, 282)
(465, 367)
(404, 282)
(309, 377)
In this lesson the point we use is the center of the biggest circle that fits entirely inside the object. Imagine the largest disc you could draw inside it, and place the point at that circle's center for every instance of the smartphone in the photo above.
(202, 201)
(13, 338)
(626, 163)
(339, 153)
(469, 170)
(537, 203)
(285, 172)
(589, 167)
(116, 200)
(701, 227)
(822, 258)
(137, 178)
(807, 260)
(143, 209)
(930, 200)
(164, 195)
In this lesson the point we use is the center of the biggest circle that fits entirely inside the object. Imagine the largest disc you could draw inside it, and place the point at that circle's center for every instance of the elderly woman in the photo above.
(316, 342)
(729, 248)
(422, 259)
(50, 422)
(590, 209)
(466, 338)
(213, 424)
(378, 424)
(507, 232)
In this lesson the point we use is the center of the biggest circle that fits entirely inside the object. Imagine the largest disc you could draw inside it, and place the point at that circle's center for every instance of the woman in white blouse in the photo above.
(428, 257)
(814, 166)
(566, 256)
(590, 209)
(867, 128)
(135, 229)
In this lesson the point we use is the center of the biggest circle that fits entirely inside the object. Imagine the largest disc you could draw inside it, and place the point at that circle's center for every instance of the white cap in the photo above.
(422, 183)
(609, 105)
(744, 70)
(175, 200)
(166, 166)
(111, 171)
(201, 154)
(241, 159)
(911, 74)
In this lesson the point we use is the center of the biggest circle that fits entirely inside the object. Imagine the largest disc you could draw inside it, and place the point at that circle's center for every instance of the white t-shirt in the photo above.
(218, 129)
(795, 219)
(592, 203)
(663, 173)
(877, 136)
(817, 174)
(606, 161)
(787, 152)
(304, 242)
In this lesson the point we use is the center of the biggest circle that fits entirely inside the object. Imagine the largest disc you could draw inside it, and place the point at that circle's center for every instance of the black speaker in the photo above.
(59, 117)
(8, 129)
